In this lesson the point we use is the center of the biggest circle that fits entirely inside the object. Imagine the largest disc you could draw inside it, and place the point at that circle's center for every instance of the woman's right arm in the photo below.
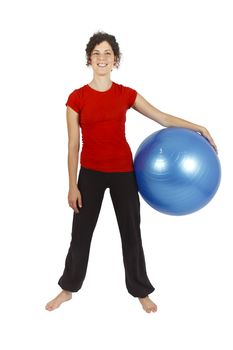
(73, 129)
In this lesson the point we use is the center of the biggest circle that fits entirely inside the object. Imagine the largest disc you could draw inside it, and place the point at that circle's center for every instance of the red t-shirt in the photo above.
(102, 116)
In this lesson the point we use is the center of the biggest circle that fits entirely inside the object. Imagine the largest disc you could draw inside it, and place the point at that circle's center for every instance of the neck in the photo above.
(101, 83)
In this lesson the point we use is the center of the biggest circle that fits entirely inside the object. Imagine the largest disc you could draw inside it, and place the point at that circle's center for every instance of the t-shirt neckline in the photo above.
(99, 91)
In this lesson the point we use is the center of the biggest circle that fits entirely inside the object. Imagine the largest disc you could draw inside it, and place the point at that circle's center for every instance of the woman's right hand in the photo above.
(75, 199)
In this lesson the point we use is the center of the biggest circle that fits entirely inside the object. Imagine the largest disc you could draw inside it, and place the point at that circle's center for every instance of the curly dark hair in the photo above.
(96, 39)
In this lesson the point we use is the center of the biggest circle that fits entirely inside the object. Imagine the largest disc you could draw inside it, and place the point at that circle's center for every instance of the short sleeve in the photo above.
(73, 101)
(131, 96)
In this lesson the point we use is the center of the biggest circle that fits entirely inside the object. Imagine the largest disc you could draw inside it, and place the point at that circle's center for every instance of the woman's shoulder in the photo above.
(127, 93)
(78, 92)
(123, 88)
(79, 89)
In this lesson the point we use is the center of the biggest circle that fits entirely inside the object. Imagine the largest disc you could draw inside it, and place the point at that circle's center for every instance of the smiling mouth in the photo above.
(102, 65)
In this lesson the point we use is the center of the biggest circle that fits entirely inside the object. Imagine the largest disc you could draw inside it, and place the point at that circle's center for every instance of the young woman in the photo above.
(99, 109)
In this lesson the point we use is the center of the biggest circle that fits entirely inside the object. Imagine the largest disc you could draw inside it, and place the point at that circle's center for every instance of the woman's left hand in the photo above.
(204, 132)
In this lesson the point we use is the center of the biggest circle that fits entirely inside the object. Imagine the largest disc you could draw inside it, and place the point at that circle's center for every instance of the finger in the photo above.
(80, 203)
(211, 141)
(214, 146)
(79, 199)
(77, 206)
(73, 205)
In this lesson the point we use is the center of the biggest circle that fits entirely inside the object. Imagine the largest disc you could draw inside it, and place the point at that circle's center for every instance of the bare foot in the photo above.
(148, 304)
(60, 298)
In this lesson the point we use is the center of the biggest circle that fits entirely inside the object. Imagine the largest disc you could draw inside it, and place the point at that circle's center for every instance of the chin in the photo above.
(102, 74)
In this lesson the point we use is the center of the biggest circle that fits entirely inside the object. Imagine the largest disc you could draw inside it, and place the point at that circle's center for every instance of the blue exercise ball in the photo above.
(177, 171)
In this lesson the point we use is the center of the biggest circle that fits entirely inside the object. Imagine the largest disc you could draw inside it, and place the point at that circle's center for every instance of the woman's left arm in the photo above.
(144, 107)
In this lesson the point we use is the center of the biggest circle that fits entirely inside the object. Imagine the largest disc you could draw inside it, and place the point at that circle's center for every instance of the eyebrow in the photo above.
(104, 50)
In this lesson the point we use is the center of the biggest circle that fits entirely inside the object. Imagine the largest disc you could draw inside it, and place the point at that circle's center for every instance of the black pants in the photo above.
(124, 194)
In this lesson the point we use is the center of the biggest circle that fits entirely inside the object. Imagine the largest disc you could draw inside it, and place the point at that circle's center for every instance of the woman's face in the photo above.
(102, 59)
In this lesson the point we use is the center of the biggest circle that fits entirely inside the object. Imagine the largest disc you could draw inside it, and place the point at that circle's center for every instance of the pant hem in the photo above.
(143, 295)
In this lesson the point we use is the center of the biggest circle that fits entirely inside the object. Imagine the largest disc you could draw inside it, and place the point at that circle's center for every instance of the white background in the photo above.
(178, 55)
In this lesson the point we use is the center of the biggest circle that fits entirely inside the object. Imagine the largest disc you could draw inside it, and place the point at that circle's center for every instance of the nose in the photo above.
(101, 57)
